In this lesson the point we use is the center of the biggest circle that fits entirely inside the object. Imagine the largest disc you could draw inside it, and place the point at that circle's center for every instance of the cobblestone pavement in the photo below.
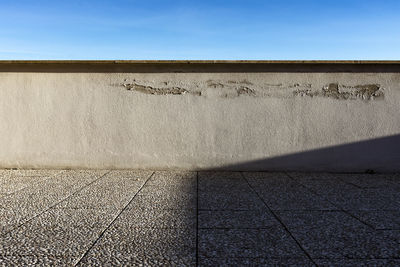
(100, 218)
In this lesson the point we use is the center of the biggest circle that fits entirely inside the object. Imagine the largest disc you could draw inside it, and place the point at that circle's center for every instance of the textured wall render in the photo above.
(249, 121)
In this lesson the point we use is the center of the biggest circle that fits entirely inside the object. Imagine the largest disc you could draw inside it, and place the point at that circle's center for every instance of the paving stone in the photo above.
(367, 199)
(293, 197)
(156, 218)
(394, 178)
(310, 175)
(237, 219)
(169, 197)
(32, 260)
(135, 246)
(349, 197)
(349, 181)
(162, 201)
(215, 176)
(134, 260)
(335, 234)
(169, 189)
(323, 185)
(285, 262)
(274, 179)
(50, 191)
(393, 235)
(230, 200)
(172, 178)
(379, 219)
(273, 242)
(203, 261)
(112, 191)
(253, 262)
(131, 174)
(226, 191)
(280, 192)
(368, 181)
(65, 233)
(14, 173)
(31, 201)
(10, 219)
(9, 185)
(357, 262)
(222, 181)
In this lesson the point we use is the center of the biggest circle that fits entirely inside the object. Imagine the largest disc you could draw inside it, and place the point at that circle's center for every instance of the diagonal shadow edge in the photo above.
(375, 155)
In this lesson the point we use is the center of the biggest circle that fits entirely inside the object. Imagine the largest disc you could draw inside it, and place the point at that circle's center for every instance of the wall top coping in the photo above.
(199, 66)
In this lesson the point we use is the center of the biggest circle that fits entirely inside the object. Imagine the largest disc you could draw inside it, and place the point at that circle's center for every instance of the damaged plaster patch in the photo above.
(146, 89)
(231, 89)
(227, 89)
(246, 82)
(344, 92)
(298, 85)
(209, 88)
(214, 84)
(244, 90)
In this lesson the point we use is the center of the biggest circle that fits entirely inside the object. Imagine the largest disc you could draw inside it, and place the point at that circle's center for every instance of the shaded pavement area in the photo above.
(98, 218)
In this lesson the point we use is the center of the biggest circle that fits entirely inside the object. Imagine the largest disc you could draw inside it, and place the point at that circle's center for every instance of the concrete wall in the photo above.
(247, 116)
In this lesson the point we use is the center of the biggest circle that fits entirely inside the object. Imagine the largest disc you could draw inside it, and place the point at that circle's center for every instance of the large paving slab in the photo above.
(113, 191)
(335, 234)
(63, 234)
(125, 244)
(355, 191)
(280, 192)
(270, 242)
(210, 218)
(13, 183)
(158, 227)
(359, 262)
(69, 228)
(25, 204)
(226, 191)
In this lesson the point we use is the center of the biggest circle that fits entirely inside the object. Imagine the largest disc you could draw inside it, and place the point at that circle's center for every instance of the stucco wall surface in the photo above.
(305, 121)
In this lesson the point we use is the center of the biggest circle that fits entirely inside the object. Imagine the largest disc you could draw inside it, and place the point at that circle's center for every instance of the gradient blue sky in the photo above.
(204, 29)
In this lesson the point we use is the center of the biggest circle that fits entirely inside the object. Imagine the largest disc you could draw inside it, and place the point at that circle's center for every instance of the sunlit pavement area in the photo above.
(98, 218)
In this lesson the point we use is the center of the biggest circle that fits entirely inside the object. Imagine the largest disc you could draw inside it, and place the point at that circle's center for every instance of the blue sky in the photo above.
(203, 29)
